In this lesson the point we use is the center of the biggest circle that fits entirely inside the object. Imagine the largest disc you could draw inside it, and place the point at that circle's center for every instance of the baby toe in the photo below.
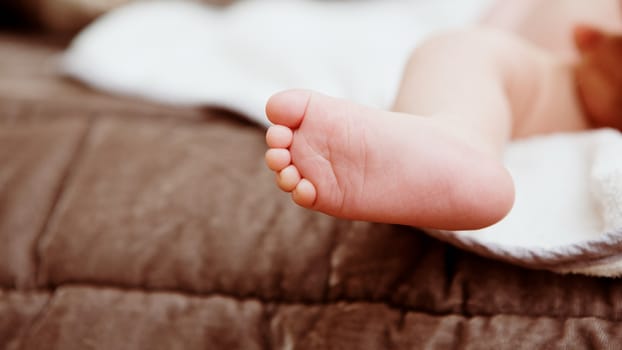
(278, 158)
(279, 136)
(288, 178)
(304, 194)
(288, 107)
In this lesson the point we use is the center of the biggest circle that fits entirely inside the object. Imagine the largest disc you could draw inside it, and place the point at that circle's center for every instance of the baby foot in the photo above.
(359, 163)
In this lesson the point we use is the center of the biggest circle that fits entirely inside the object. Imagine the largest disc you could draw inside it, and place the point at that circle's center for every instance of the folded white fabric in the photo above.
(568, 212)
(237, 57)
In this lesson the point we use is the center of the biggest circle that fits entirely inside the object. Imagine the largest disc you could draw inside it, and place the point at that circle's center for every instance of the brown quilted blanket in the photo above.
(128, 225)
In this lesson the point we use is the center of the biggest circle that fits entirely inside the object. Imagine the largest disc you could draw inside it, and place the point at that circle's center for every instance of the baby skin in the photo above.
(435, 160)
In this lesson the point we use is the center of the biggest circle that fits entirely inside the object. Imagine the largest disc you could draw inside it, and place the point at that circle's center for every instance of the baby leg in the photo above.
(434, 162)
(480, 85)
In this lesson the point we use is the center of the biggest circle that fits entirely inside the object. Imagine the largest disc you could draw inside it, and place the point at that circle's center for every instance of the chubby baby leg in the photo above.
(434, 162)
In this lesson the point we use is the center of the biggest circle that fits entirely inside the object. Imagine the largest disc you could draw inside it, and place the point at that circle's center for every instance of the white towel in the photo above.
(188, 53)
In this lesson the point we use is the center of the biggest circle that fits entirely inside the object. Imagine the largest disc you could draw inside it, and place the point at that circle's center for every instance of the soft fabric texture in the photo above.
(130, 225)
(567, 215)
(190, 54)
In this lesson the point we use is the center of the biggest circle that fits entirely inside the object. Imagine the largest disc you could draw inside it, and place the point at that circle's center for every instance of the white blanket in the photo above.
(567, 216)
(188, 53)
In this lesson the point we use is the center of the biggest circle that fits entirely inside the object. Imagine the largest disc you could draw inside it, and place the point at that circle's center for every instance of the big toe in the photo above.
(288, 107)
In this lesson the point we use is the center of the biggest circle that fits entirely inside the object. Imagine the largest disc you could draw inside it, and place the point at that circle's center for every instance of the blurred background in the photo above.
(61, 16)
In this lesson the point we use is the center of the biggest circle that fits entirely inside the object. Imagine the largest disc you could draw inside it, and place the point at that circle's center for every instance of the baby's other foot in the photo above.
(360, 163)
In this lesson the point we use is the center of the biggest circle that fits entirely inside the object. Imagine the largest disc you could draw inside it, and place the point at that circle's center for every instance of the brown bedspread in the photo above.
(126, 225)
